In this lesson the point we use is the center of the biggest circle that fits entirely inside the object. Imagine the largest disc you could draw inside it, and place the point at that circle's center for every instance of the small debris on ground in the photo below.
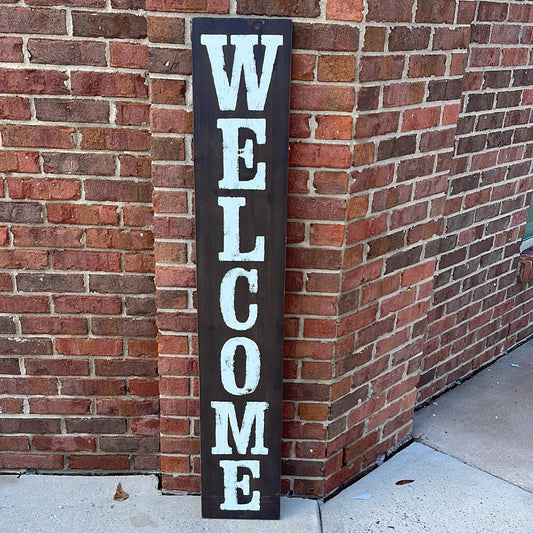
(405, 481)
(120, 494)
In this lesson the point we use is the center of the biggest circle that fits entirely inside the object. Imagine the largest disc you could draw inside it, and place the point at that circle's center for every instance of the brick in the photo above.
(330, 182)
(398, 147)
(32, 461)
(122, 85)
(188, 6)
(375, 124)
(64, 443)
(322, 98)
(59, 406)
(28, 386)
(132, 114)
(445, 90)
(50, 325)
(375, 37)
(336, 68)
(137, 215)
(136, 166)
(310, 304)
(29, 425)
(82, 214)
(326, 235)
(50, 237)
(121, 284)
(435, 140)
(23, 259)
(115, 139)
(167, 91)
(7, 323)
(299, 127)
(109, 25)
(99, 462)
(334, 127)
(11, 50)
(402, 94)
(19, 161)
(37, 136)
(421, 119)
(84, 260)
(303, 67)
(44, 189)
(327, 37)
(170, 121)
(424, 66)
(127, 326)
(485, 57)
(119, 239)
(440, 12)
(515, 57)
(170, 61)
(368, 98)
(14, 444)
(316, 208)
(166, 29)
(168, 149)
(14, 108)
(67, 110)
(402, 38)
(492, 11)
(319, 328)
(21, 212)
(390, 11)
(79, 164)
(25, 20)
(278, 8)
(129, 55)
(57, 52)
(381, 68)
(451, 38)
(319, 155)
(340, 10)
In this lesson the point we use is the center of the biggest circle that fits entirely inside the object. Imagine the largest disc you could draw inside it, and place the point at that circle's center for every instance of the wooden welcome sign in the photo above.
(241, 75)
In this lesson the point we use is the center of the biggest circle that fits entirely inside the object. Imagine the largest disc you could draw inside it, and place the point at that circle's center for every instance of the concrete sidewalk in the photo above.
(485, 422)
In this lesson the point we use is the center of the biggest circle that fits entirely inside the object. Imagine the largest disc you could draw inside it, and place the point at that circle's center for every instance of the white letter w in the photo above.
(256, 85)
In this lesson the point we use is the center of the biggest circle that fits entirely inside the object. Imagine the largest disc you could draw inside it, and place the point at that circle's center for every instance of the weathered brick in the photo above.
(106, 84)
(336, 68)
(37, 136)
(402, 94)
(25, 20)
(403, 38)
(375, 124)
(332, 37)
(14, 108)
(305, 8)
(381, 68)
(109, 25)
(390, 11)
(44, 189)
(397, 147)
(166, 29)
(11, 50)
(340, 10)
(129, 55)
(57, 52)
(322, 98)
(170, 61)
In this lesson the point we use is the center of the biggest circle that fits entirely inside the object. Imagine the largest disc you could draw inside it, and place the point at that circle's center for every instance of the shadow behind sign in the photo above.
(241, 76)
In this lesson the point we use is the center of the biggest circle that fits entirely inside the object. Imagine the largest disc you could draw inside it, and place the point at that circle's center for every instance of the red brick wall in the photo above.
(409, 180)
(479, 310)
(78, 376)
